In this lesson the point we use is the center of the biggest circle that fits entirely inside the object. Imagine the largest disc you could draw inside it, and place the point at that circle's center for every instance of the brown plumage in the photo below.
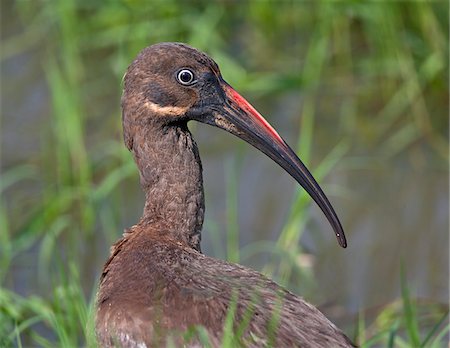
(157, 284)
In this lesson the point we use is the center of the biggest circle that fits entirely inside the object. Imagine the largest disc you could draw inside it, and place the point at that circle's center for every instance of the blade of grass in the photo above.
(434, 330)
(410, 316)
(228, 340)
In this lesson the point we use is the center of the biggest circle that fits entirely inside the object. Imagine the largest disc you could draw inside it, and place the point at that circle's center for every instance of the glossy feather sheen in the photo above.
(157, 284)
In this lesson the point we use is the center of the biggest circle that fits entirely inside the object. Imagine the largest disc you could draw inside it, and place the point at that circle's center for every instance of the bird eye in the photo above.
(185, 77)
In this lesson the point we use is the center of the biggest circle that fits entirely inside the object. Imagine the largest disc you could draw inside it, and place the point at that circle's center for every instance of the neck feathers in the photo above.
(171, 177)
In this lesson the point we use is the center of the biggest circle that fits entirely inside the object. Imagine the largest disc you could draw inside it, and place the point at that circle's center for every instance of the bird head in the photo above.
(170, 83)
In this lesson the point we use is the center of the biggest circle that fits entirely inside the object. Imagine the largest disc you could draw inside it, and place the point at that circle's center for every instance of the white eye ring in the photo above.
(185, 77)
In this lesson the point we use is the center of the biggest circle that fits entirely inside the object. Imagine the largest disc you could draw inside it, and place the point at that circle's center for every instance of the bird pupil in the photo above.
(185, 77)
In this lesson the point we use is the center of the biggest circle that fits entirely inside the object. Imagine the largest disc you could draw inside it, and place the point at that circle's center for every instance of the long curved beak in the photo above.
(240, 118)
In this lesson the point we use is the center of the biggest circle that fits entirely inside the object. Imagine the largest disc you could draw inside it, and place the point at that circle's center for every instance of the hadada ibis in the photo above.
(157, 285)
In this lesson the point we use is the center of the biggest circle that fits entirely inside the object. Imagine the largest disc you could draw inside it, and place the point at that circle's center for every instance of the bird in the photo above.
(157, 287)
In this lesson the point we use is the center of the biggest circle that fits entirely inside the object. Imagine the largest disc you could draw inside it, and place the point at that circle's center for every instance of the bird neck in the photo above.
(171, 177)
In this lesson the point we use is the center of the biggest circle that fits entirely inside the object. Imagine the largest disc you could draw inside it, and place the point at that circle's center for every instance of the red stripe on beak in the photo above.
(247, 107)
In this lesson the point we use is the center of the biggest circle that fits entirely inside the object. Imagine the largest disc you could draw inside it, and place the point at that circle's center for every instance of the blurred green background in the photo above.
(359, 89)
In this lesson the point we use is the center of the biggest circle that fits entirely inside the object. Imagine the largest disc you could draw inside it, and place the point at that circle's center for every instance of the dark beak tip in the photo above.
(342, 240)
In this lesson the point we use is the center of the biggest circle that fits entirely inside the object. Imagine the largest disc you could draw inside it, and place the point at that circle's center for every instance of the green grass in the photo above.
(62, 208)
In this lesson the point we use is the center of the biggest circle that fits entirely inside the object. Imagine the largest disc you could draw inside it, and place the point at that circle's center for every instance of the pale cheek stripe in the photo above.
(166, 110)
(245, 105)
